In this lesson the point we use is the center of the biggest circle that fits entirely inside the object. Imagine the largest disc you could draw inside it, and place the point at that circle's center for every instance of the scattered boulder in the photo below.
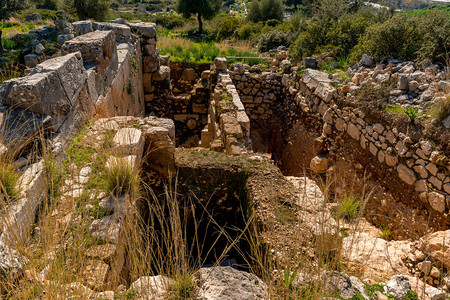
(437, 246)
(31, 60)
(347, 287)
(367, 60)
(82, 27)
(62, 38)
(151, 287)
(310, 62)
(398, 286)
(319, 164)
(33, 17)
(221, 64)
(226, 283)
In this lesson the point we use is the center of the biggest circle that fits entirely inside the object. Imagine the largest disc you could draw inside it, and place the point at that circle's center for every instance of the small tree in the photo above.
(88, 9)
(202, 8)
(265, 10)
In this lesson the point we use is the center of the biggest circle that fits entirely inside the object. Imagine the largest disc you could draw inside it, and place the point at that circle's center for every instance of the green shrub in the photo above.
(435, 28)
(248, 30)
(226, 26)
(399, 37)
(344, 35)
(265, 10)
(272, 40)
(47, 4)
(309, 40)
(88, 9)
(169, 21)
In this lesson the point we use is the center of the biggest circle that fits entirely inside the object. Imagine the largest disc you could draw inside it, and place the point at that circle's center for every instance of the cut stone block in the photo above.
(97, 49)
(122, 32)
(70, 71)
(145, 29)
(128, 141)
(82, 27)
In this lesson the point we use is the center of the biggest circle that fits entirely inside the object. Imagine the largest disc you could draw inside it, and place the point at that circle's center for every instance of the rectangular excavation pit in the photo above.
(206, 220)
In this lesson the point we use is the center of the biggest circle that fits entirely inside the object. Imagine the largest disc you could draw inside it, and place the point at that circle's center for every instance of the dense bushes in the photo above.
(226, 26)
(398, 37)
(88, 9)
(265, 10)
(273, 39)
(435, 28)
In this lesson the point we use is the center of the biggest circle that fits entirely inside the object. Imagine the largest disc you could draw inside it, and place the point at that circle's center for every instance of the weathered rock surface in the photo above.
(226, 283)
(152, 287)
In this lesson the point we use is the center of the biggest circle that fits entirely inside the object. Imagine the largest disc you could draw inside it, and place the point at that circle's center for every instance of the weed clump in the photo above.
(120, 178)
(348, 208)
(9, 182)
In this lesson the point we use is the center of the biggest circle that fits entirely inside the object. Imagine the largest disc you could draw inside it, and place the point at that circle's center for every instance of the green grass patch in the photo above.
(348, 208)
(187, 51)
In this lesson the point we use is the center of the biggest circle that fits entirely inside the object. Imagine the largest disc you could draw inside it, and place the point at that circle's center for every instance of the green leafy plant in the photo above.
(371, 289)
(411, 295)
(412, 113)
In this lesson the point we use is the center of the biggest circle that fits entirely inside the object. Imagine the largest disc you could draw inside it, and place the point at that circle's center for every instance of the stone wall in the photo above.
(418, 164)
(228, 124)
(99, 74)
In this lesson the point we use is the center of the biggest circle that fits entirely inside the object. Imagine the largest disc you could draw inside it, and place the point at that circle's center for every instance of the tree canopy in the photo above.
(265, 10)
(202, 8)
(89, 9)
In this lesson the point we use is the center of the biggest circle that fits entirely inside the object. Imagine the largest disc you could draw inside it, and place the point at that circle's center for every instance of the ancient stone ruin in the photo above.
(266, 153)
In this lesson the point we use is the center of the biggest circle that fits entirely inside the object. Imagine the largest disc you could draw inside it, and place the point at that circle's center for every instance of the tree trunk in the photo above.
(1, 45)
(200, 23)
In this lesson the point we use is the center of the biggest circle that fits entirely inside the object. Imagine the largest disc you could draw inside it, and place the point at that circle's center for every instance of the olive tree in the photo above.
(88, 9)
(202, 8)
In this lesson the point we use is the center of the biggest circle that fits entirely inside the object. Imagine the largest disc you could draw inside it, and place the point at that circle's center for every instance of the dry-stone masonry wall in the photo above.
(416, 163)
(228, 124)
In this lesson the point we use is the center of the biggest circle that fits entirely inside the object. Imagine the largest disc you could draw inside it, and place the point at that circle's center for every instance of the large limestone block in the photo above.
(70, 71)
(128, 141)
(19, 126)
(82, 27)
(122, 32)
(32, 93)
(97, 49)
(146, 29)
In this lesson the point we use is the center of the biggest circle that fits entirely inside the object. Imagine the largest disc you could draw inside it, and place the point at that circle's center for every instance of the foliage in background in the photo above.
(8, 7)
(202, 8)
(265, 10)
(88, 9)
(398, 37)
